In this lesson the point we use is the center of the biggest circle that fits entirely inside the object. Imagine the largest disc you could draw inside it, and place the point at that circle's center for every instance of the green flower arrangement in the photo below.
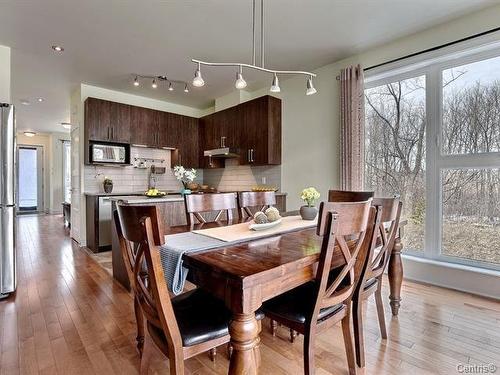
(310, 195)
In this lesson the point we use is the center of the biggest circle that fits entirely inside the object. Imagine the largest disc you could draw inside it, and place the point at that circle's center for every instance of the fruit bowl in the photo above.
(264, 226)
(154, 193)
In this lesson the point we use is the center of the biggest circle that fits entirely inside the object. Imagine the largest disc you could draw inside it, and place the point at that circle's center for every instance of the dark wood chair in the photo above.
(347, 230)
(371, 282)
(349, 196)
(181, 327)
(250, 202)
(129, 252)
(196, 204)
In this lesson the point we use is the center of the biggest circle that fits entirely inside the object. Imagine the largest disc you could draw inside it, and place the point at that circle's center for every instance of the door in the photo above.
(75, 185)
(30, 179)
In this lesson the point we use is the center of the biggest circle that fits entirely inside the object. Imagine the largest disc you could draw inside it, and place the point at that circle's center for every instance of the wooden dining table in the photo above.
(248, 273)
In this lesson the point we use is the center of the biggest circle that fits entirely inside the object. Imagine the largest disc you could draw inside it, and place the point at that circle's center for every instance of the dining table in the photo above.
(246, 274)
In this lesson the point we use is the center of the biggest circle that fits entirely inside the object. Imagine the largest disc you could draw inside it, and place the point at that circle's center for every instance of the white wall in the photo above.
(5, 74)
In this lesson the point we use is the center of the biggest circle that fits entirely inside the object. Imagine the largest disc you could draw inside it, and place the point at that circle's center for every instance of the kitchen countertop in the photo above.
(134, 199)
(123, 193)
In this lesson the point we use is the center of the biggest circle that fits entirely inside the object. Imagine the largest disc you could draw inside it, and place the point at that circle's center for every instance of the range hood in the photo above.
(223, 153)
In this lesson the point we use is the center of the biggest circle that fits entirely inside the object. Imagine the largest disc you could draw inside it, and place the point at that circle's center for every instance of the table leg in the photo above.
(244, 331)
(395, 273)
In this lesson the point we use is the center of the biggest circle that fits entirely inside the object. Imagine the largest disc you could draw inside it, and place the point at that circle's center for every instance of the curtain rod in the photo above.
(431, 49)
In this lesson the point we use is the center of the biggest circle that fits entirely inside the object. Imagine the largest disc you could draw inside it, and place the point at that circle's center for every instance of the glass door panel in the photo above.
(30, 171)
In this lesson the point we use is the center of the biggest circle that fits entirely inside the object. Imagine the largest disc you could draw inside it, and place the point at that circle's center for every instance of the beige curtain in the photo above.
(352, 125)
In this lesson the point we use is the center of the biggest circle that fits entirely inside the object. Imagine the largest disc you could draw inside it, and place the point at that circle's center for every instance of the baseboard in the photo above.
(454, 276)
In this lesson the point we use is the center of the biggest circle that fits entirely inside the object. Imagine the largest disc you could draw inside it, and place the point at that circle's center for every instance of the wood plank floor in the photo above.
(69, 317)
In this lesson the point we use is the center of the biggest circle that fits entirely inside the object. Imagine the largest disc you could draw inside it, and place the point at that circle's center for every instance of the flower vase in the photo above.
(308, 212)
(108, 187)
(185, 189)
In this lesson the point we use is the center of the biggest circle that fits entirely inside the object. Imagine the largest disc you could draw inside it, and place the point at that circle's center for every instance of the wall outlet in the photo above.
(263, 180)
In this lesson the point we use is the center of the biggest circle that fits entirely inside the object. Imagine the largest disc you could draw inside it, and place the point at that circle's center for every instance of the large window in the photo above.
(433, 137)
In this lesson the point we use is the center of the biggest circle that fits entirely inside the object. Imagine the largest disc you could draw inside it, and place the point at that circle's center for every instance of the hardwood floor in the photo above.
(69, 317)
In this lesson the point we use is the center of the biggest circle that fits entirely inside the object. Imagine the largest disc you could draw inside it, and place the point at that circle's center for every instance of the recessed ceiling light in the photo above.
(40, 100)
(58, 48)
(29, 134)
(25, 102)
(66, 125)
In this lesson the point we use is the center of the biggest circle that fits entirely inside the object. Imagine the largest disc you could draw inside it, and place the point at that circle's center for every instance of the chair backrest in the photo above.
(195, 204)
(349, 196)
(250, 202)
(348, 230)
(386, 233)
(148, 280)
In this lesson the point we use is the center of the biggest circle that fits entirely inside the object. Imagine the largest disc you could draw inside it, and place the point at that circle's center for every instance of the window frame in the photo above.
(432, 65)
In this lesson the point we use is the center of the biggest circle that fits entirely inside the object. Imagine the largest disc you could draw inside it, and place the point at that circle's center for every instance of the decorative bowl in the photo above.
(264, 226)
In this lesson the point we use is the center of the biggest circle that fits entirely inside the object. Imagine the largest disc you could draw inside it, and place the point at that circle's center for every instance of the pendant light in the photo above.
(186, 88)
(310, 88)
(136, 81)
(275, 86)
(198, 79)
(170, 87)
(154, 84)
(240, 81)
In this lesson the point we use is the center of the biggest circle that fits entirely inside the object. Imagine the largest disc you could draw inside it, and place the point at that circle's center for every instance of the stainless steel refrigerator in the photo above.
(8, 280)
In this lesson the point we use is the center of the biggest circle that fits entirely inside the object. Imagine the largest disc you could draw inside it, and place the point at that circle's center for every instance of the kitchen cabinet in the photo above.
(107, 121)
(209, 138)
(186, 139)
(260, 122)
(144, 127)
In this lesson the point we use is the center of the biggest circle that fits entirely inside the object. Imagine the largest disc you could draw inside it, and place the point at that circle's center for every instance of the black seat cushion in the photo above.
(297, 304)
(200, 317)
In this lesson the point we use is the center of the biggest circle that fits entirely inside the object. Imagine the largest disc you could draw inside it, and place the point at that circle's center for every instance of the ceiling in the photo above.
(106, 41)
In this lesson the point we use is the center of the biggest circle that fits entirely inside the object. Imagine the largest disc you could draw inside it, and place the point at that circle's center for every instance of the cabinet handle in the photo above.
(112, 133)
(222, 142)
(251, 153)
(248, 155)
(108, 135)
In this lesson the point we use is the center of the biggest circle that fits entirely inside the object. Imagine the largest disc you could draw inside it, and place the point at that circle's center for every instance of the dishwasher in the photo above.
(104, 221)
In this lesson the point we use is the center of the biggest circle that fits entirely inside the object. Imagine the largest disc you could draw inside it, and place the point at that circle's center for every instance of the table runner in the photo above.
(176, 245)
(241, 232)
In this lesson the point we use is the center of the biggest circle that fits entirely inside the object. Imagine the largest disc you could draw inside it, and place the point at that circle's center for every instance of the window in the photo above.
(66, 157)
(433, 137)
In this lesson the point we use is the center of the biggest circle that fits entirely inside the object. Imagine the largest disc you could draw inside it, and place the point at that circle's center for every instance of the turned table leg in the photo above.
(395, 273)
(244, 331)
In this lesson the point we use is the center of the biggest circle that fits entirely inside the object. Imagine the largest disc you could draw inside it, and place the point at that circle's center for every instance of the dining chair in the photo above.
(180, 327)
(129, 252)
(250, 202)
(347, 230)
(219, 203)
(349, 196)
(371, 282)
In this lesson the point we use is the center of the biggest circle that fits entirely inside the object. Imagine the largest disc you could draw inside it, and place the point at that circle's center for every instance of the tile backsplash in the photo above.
(131, 179)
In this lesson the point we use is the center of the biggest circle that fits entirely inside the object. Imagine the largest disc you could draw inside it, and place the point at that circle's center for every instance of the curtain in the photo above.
(352, 125)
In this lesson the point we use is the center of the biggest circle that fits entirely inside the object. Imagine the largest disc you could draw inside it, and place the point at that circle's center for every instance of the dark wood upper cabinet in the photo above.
(187, 142)
(144, 126)
(107, 121)
(260, 130)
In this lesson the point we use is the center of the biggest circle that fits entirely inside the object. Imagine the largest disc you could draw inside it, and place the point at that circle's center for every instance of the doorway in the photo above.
(30, 179)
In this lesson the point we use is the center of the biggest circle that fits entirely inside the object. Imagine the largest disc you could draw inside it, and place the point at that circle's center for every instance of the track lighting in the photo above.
(186, 88)
(157, 81)
(153, 84)
(240, 82)
(170, 87)
(310, 88)
(136, 81)
(275, 86)
(198, 79)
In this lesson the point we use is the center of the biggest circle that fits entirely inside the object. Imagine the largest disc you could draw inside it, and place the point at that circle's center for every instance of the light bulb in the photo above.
(240, 82)
(310, 87)
(154, 85)
(186, 88)
(170, 87)
(136, 81)
(275, 86)
(198, 79)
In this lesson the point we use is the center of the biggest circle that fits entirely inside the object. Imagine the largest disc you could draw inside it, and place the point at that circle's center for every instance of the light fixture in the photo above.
(186, 88)
(310, 87)
(25, 102)
(40, 100)
(136, 81)
(154, 84)
(240, 82)
(198, 79)
(275, 86)
(66, 125)
(29, 134)
(170, 87)
(58, 48)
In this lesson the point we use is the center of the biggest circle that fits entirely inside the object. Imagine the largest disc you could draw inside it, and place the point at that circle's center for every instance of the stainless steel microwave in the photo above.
(104, 153)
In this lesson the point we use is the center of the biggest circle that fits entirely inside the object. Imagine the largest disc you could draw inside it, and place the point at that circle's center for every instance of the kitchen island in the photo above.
(171, 211)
